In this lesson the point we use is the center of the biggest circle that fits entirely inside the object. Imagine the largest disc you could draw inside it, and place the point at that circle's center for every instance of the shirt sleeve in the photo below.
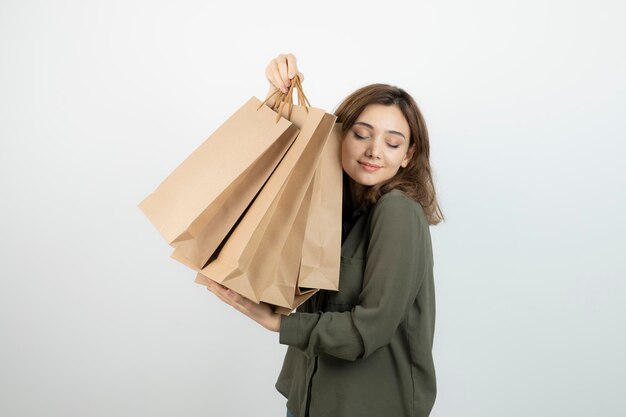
(394, 270)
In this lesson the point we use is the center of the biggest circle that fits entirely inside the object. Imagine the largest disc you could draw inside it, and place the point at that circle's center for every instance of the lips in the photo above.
(369, 167)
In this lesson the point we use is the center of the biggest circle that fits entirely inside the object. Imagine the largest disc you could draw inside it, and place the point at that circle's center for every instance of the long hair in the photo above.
(415, 180)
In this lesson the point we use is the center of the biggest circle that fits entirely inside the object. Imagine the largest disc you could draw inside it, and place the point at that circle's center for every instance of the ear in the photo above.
(408, 156)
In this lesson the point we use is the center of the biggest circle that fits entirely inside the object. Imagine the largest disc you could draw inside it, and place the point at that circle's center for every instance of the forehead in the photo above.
(384, 118)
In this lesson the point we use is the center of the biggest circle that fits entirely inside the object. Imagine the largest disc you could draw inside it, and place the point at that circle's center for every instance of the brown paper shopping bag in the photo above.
(316, 217)
(321, 249)
(291, 251)
(196, 206)
(252, 261)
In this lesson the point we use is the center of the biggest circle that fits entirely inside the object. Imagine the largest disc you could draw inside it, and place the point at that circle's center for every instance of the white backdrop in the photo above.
(99, 101)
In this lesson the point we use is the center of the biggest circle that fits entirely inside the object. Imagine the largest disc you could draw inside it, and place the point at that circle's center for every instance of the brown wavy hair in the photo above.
(415, 180)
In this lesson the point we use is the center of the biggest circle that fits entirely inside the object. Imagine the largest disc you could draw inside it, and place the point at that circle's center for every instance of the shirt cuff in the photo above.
(288, 334)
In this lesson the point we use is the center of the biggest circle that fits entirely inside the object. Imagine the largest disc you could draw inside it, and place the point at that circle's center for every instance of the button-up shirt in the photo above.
(366, 350)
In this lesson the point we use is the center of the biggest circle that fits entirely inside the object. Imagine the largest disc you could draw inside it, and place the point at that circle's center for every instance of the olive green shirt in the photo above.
(366, 350)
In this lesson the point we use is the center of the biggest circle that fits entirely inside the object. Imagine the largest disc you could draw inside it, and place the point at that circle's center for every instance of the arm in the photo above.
(394, 270)
(261, 313)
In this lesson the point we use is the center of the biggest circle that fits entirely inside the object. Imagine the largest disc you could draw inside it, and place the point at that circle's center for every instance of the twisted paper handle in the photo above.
(283, 99)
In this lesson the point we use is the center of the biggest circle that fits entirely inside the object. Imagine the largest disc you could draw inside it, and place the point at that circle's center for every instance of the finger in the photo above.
(237, 298)
(292, 67)
(272, 75)
(221, 297)
(241, 309)
(216, 285)
(301, 75)
(234, 300)
(217, 289)
(282, 67)
(222, 291)
(277, 80)
(241, 300)
(229, 296)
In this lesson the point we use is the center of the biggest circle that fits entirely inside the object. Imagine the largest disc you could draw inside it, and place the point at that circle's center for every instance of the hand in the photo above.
(280, 71)
(261, 313)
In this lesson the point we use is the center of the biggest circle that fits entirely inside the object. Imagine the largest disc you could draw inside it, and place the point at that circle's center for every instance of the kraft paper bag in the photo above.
(293, 244)
(299, 261)
(251, 261)
(202, 246)
(321, 249)
(321, 245)
(196, 206)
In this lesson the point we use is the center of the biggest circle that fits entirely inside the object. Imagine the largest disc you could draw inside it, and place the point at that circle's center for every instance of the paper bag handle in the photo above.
(283, 99)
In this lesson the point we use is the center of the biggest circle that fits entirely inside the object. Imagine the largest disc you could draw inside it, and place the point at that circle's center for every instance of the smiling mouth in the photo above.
(369, 168)
(368, 165)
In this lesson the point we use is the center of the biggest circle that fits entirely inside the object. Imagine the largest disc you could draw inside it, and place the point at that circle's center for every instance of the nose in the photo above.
(373, 150)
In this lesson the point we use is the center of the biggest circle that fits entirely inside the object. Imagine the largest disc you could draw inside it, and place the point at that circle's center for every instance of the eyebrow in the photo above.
(395, 132)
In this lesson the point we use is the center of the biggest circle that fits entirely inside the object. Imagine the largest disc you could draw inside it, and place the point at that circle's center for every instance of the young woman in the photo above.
(366, 350)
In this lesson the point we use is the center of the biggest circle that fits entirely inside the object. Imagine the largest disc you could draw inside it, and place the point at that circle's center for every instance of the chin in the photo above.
(367, 181)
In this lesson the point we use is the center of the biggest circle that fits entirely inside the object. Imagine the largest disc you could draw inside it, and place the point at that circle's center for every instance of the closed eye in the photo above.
(363, 137)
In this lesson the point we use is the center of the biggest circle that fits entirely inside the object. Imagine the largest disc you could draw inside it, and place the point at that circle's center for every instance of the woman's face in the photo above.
(383, 142)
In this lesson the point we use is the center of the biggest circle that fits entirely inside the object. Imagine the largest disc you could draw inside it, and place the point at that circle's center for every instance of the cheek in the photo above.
(350, 147)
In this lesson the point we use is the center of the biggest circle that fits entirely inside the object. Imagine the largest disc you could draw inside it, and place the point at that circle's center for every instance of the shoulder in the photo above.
(397, 203)
(398, 213)
(396, 223)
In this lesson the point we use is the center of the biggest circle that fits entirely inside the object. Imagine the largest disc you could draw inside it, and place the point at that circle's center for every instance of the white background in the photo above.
(99, 101)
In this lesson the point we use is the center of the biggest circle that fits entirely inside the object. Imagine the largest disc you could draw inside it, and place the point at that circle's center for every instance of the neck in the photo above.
(355, 193)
